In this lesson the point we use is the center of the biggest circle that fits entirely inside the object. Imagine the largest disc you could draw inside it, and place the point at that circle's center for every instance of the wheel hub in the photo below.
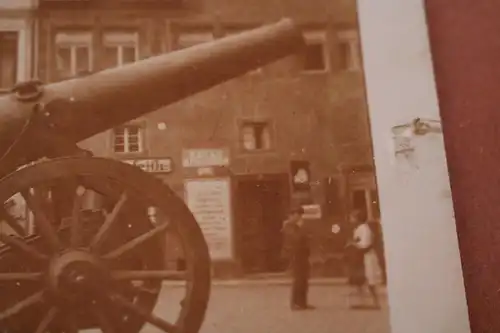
(76, 276)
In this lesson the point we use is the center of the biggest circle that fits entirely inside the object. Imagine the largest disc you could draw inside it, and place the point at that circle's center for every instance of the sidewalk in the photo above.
(271, 280)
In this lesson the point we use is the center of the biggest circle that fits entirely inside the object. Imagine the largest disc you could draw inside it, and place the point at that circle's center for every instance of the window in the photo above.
(8, 58)
(191, 38)
(366, 200)
(120, 48)
(127, 139)
(349, 51)
(73, 54)
(255, 136)
(314, 57)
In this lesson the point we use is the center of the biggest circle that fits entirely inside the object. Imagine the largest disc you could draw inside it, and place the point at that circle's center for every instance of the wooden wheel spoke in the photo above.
(45, 227)
(76, 220)
(103, 232)
(160, 323)
(47, 320)
(20, 276)
(130, 289)
(21, 305)
(134, 243)
(12, 222)
(21, 246)
(150, 275)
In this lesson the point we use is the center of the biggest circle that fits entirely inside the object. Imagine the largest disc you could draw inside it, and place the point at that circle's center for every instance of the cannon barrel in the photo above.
(84, 106)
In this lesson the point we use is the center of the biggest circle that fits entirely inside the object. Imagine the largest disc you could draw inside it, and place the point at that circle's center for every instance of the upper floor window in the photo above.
(187, 39)
(349, 50)
(315, 56)
(256, 135)
(73, 53)
(8, 58)
(120, 48)
(128, 139)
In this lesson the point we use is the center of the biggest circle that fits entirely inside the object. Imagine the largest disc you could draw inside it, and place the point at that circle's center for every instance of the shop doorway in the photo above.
(261, 209)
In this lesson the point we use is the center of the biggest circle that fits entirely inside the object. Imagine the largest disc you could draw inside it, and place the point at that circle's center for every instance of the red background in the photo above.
(465, 42)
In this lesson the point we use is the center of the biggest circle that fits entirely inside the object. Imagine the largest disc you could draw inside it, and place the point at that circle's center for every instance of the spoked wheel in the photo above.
(101, 267)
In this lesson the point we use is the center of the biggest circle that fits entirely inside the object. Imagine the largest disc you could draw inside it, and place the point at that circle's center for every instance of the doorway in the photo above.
(261, 208)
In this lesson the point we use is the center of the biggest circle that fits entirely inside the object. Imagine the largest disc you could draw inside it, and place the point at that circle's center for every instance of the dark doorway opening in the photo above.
(262, 208)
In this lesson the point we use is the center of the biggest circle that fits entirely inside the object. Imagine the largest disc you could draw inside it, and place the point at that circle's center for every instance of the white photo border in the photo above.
(425, 279)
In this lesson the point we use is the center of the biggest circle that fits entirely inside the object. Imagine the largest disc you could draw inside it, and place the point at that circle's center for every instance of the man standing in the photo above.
(296, 247)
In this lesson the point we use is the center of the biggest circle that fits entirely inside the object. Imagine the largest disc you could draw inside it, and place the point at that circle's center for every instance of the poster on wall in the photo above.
(209, 201)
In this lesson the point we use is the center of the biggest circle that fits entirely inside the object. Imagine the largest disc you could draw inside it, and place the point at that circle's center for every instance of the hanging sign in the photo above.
(301, 175)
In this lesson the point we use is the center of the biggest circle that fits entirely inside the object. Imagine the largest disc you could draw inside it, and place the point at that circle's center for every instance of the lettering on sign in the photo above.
(162, 165)
(209, 201)
(205, 157)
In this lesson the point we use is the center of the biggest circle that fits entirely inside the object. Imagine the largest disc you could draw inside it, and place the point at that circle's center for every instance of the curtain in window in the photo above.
(248, 137)
(266, 138)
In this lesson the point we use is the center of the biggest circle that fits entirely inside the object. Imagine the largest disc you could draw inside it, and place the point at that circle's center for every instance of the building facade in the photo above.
(17, 61)
(17, 40)
(292, 132)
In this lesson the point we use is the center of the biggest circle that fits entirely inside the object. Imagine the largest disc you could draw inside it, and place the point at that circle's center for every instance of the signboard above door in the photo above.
(205, 157)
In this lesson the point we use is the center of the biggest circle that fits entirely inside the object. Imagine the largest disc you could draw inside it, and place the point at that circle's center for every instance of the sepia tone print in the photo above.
(187, 166)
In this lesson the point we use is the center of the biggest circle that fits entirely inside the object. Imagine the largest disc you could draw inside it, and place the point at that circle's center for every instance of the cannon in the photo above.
(88, 251)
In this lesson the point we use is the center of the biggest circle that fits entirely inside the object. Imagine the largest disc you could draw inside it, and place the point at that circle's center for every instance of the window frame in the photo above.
(317, 37)
(122, 39)
(351, 38)
(367, 190)
(269, 124)
(24, 50)
(73, 40)
(140, 139)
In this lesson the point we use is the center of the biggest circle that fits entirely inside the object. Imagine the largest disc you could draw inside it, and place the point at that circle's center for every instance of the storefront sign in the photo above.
(209, 201)
(153, 165)
(205, 157)
(311, 212)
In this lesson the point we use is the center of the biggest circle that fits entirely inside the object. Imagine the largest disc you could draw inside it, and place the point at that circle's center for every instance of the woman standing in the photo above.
(364, 268)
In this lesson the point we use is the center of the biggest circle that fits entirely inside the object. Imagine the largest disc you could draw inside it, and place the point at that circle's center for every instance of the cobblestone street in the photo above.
(264, 309)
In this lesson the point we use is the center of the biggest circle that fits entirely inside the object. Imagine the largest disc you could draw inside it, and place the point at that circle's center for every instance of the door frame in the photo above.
(282, 178)
(363, 178)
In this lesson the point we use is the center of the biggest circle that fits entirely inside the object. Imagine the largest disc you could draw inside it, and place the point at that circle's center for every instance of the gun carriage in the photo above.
(84, 266)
